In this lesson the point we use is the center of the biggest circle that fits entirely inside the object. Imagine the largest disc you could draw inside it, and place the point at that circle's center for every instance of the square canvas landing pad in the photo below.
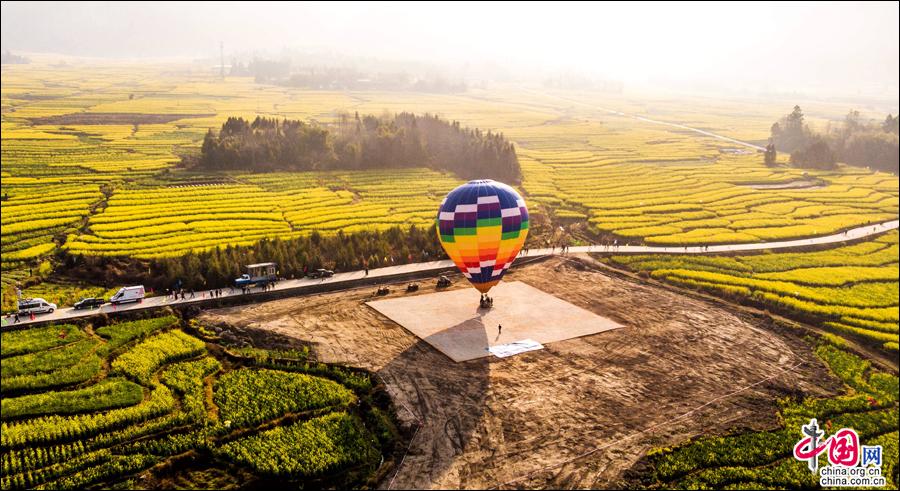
(452, 322)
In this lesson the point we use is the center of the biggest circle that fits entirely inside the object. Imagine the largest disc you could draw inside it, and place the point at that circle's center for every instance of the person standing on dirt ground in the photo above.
(499, 329)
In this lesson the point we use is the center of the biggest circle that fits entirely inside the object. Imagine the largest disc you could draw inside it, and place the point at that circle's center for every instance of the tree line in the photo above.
(282, 72)
(341, 78)
(360, 143)
(872, 144)
(8, 58)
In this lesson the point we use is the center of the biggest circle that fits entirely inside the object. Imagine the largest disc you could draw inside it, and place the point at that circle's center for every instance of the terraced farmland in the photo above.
(667, 188)
(126, 126)
(34, 214)
(152, 222)
(851, 290)
(148, 402)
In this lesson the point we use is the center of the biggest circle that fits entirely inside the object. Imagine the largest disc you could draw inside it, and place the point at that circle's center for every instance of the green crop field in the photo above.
(148, 402)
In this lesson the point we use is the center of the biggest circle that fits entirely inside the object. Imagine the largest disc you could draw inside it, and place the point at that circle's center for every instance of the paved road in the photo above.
(354, 278)
(350, 278)
(856, 233)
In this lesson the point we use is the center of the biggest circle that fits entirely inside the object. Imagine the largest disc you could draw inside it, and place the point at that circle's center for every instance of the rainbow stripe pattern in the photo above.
(482, 226)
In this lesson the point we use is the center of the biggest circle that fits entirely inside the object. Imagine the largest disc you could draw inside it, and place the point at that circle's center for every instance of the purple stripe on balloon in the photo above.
(512, 224)
(489, 213)
(466, 219)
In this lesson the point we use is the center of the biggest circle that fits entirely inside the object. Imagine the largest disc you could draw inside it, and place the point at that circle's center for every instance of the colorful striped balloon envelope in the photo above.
(482, 226)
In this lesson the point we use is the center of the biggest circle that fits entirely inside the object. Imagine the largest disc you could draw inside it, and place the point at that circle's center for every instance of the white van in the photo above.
(35, 306)
(128, 294)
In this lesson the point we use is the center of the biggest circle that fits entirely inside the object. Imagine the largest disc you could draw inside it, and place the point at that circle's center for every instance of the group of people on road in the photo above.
(175, 292)
(183, 294)
(247, 289)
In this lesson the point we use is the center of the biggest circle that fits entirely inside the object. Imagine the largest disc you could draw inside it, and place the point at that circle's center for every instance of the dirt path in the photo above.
(489, 421)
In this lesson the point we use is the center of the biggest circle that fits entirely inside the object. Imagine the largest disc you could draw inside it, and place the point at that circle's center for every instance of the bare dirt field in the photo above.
(576, 414)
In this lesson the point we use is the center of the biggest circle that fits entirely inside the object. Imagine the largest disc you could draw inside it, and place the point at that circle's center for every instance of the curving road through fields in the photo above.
(352, 279)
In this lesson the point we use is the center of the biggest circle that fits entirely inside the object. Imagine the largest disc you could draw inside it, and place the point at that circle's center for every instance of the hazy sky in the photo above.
(847, 46)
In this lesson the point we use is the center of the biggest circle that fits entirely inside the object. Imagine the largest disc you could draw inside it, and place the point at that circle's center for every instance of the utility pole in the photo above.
(222, 59)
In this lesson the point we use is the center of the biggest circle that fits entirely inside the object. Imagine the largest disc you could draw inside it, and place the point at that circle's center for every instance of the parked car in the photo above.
(321, 273)
(89, 303)
(36, 306)
(128, 294)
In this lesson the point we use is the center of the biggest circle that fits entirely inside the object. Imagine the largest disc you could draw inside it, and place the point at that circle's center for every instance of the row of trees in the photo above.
(853, 141)
(8, 58)
(283, 72)
(219, 267)
(368, 142)
(340, 78)
(261, 69)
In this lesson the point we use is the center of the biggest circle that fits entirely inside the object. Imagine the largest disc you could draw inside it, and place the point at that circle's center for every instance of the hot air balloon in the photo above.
(482, 226)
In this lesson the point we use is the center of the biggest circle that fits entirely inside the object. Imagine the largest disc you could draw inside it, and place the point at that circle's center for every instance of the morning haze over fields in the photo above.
(449, 245)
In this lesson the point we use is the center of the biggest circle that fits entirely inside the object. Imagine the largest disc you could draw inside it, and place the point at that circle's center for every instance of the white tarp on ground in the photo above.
(514, 348)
